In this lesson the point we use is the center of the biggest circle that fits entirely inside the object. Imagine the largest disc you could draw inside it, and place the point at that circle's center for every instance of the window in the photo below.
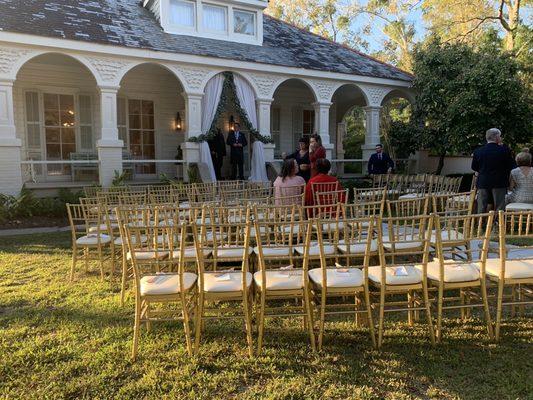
(214, 18)
(141, 134)
(275, 131)
(86, 123)
(121, 121)
(244, 22)
(182, 13)
(33, 120)
(59, 130)
(308, 122)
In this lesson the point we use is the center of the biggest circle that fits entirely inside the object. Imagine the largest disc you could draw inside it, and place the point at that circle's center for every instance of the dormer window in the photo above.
(244, 22)
(182, 13)
(214, 18)
(232, 20)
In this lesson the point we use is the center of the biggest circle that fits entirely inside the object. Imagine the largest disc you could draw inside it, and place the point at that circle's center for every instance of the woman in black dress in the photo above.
(302, 158)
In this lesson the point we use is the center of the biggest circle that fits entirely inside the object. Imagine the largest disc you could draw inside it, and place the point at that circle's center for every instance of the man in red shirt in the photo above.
(322, 167)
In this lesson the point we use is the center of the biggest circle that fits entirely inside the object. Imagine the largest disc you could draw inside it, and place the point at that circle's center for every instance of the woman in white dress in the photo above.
(521, 184)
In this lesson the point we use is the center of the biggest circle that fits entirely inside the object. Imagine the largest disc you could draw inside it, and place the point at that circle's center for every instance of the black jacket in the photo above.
(236, 153)
(218, 145)
(377, 166)
(493, 163)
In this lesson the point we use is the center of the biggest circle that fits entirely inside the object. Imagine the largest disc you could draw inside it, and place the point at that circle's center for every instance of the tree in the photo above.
(462, 92)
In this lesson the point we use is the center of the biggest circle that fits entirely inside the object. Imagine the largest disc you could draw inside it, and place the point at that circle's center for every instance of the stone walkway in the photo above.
(33, 231)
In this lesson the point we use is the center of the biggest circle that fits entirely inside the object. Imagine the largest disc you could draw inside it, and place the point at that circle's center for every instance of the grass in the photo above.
(63, 341)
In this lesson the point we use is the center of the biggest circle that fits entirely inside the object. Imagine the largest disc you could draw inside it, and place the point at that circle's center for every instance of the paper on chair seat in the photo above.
(399, 271)
(222, 277)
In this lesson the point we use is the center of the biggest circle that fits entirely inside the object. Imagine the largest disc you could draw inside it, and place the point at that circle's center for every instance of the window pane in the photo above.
(135, 121)
(52, 135)
(66, 150)
(32, 107)
(85, 110)
(121, 112)
(148, 137)
(147, 107)
(51, 102)
(135, 137)
(67, 118)
(66, 102)
(214, 18)
(51, 118)
(86, 137)
(148, 122)
(182, 13)
(34, 135)
(134, 106)
(53, 151)
(244, 22)
(68, 136)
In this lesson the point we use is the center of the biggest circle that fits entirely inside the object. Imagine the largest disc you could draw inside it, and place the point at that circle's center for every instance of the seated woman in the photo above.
(288, 187)
(322, 168)
(302, 158)
(521, 184)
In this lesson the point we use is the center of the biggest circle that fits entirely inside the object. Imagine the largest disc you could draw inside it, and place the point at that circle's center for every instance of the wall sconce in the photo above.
(178, 122)
(231, 123)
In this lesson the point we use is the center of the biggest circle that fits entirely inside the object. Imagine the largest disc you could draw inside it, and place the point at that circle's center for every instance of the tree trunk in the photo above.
(440, 164)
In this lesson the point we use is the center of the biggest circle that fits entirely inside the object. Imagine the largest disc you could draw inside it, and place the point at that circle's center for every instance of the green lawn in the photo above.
(73, 341)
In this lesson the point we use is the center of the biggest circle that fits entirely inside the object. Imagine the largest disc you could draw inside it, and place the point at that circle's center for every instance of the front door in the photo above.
(142, 136)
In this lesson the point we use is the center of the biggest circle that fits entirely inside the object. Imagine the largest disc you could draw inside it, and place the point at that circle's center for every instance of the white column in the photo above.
(263, 119)
(109, 145)
(322, 125)
(10, 145)
(193, 127)
(372, 114)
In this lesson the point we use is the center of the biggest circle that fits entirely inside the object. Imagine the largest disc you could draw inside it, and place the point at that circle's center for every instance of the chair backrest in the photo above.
(408, 207)
(363, 195)
(364, 210)
(329, 198)
(453, 203)
(290, 195)
(321, 187)
(516, 235)
(88, 219)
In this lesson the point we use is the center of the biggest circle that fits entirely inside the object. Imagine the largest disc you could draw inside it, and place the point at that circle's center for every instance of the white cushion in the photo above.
(410, 243)
(410, 196)
(459, 272)
(281, 279)
(225, 281)
(338, 277)
(103, 228)
(118, 241)
(413, 275)
(148, 255)
(162, 284)
(92, 239)
(327, 226)
(314, 250)
(447, 235)
(519, 207)
(514, 269)
(274, 251)
(190, 252)
(232, 251)
(357, 247)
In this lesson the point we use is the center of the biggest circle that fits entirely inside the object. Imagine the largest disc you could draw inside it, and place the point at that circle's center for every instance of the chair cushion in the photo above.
(357, 247)
(148, 255)
(190, 252)
(314, 250)
(393, 275)
(338, 277)
(162, 284)
(519, 207)
(453, 272)
(410, 243)
(274, 251)
(103, 228)
(410, 196)
(232, 251)
(328, 226)
(514, 269)
(447, 235)
(92, 239)
(281, 279)
(225, 281)
(118, 241)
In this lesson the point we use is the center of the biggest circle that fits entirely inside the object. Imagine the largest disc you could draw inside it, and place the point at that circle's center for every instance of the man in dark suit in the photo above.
(380, 162)
(237, 141)
(492, 163)
(217, 145)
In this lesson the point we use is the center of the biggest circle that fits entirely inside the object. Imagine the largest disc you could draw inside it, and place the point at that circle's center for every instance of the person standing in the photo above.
(237, 141)
(316, 152)
(217, 145)
(302, 158)
(492, 164)
(380, 162)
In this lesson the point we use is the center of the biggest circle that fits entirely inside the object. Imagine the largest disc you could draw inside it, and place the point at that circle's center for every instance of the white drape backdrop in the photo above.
(246, 96)
(210, 101)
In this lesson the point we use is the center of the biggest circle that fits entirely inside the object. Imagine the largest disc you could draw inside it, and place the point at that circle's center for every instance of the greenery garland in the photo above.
(229, 87)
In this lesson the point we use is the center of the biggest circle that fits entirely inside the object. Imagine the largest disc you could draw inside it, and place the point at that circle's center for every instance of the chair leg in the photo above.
(513, 299)
(322, 320)
(148, 322)
(369, 316)
(486, 308)
(310, 320)
(124, 279)
(410, 304)
(440, 301)
(198, 323)
(73, 266)
(463, 303)
(248, 324)
(381, 316)
(499, 310)
(427, 307)
(261, 322)
(101, 262)
(186, 325)
(136, 328)
(86, 259)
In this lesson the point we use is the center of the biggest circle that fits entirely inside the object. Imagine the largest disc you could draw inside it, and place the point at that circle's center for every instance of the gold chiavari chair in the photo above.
(352, 236)
(161, 279)
(402, 271)
(90, 227)
(364, 210)
(414, 186)
(454, 269)
(364, 195)
(408, 207)
(395, 185)
(328, 198)
(380, 180)
(273, 282)
(453, 203)
(321, 187)
(514, 267)
(348, 280)
(133, 199)
(205, 192)
(289, 195)
(230, 286)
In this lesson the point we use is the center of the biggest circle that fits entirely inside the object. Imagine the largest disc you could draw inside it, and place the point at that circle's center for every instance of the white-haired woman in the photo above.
(521, 180)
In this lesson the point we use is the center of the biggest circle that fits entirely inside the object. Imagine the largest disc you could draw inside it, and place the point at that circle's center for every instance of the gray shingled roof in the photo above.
(127, 23)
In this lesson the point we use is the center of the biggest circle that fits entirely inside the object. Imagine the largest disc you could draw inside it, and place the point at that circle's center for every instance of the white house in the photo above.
(91, 87)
